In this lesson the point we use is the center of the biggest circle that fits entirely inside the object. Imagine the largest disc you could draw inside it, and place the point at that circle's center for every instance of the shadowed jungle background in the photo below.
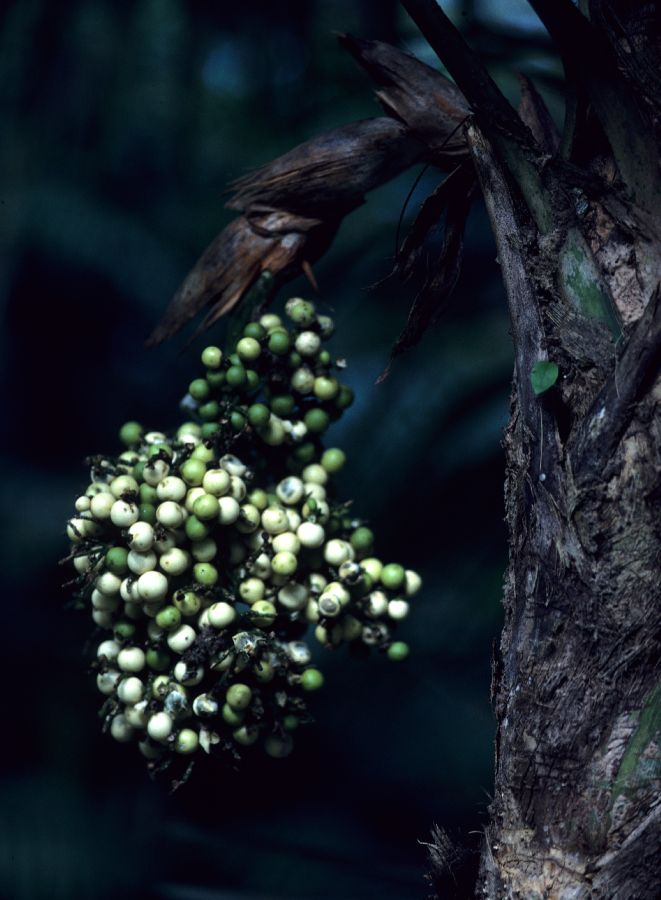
(121, 125)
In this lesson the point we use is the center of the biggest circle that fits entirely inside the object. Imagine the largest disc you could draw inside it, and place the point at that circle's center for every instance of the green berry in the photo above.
(238, 696)
(212, 357)
(278, 342)
(193, 471)
(116, 560)
(282, 405)
(246, 735)
(258, 415)
(254, 330)
(158, 660)
(392, 576)
(148, 494)
(284, 563)
(186, 741)
(168, 618)
(199, 389)
(259, 498)
(264, 671)
(316, 420)
(147, 513)
(187, 602)
(231, 716)
(248, 349)
(160, 687)
(300, 311)
(208, 411)
(124, 631)
(209, 430)
(398, 651)
(362, 538)
(304, 453)
(195, 529)
(262, 613)
(130, 433)
(324, 358)
(251, 589)
(206, 507)
(290, 723)
(205, 573)
(311, 680)
(160, 450)
(278, 747)
(333, 460)
(188, 428)
(237, 421)
(345, 397)
(215, 378)
(326, 388)
(236, 376)
(364, 585)
(302, 380)
(273, 433)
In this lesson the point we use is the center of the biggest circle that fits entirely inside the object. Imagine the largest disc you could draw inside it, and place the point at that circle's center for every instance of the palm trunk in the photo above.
(576, 687)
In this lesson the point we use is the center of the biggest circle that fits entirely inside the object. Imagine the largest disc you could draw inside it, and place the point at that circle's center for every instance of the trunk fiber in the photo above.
(576, 810)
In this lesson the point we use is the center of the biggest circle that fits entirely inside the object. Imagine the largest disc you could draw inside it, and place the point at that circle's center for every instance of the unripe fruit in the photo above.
(398, 651)
(392, 576)
(211, 577)
(212, 357)
(312, 680)
(238, 696)
(186, 741)
(262, 613)
(206, 508)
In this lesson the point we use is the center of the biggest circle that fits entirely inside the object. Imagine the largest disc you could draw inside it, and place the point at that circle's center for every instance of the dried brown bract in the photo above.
(291, 209)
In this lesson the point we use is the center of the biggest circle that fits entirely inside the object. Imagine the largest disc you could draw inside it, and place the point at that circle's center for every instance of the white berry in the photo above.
(159, 727)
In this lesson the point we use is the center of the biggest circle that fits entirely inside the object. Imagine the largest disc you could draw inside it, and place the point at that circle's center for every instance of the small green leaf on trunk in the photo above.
(543, 376)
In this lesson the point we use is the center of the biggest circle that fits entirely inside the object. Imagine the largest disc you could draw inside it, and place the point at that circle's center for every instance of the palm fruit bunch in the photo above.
(214, 559)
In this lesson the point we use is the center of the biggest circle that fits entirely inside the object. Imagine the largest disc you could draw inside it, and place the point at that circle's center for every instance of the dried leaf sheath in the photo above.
(533, 111)
(292, 208)
(453, 197)
(331, 173)
(431, 105)
(276, 242)
(293, 205)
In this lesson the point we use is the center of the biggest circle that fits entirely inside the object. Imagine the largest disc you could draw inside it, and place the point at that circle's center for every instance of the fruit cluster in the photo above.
(209, 556)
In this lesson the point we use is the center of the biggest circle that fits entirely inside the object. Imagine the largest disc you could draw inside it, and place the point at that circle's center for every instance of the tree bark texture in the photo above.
(576, 810)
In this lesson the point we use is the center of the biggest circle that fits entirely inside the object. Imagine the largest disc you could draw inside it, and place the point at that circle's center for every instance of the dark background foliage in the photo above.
(121, 125)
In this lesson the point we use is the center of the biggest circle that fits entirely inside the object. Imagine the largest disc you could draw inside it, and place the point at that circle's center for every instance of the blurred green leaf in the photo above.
(543, 376)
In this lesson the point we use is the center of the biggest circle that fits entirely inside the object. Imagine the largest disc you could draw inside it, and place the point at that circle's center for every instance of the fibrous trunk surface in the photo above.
(576, 810)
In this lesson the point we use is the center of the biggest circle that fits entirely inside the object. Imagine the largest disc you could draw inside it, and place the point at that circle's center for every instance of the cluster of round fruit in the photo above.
(278, 384)
(208, 580)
